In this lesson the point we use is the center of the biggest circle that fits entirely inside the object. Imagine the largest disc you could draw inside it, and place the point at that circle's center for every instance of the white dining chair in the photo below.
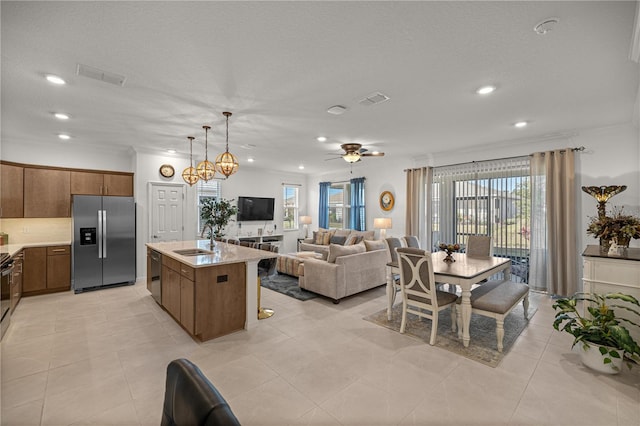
(479, 245)
(418, 288)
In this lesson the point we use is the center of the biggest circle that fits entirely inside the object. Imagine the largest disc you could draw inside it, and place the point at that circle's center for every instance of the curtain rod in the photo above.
(579, 148)
(291, 184)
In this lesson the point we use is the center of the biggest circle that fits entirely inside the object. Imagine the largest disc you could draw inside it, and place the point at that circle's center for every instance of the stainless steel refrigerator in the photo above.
(104, 241)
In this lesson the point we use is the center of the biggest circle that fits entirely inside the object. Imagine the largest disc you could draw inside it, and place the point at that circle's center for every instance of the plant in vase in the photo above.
(602, 329)
(449, 249)
(619, 228)
(216, 214)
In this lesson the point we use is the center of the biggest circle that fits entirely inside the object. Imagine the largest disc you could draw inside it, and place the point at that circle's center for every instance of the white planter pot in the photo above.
(591, 357)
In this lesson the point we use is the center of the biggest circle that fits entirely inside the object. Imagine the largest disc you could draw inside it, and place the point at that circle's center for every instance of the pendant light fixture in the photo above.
(190, 174)
(206, 169)
(227, 163)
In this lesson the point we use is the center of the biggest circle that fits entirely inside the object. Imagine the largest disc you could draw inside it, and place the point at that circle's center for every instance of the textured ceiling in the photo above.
(278, 66)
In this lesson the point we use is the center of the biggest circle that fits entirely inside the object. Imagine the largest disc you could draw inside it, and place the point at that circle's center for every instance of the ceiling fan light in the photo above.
(351, 157)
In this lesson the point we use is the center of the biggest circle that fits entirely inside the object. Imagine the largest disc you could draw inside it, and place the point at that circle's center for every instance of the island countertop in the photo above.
(222, 253)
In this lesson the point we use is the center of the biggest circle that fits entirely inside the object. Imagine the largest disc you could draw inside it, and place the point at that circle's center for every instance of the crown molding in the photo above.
(634, 52)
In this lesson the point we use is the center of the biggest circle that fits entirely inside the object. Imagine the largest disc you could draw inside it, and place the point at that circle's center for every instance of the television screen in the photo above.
(255, 208)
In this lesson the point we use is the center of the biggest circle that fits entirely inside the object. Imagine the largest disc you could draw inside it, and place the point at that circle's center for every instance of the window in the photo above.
(339, 205)
(291, 207)
(484, 198)
(206, 190)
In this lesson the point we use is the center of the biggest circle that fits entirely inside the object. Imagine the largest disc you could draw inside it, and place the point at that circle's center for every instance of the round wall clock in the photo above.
(166, 170)
(386, 201)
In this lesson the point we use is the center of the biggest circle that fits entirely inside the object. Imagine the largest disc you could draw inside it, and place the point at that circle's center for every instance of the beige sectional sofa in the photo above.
(324, 237)
(347, 270)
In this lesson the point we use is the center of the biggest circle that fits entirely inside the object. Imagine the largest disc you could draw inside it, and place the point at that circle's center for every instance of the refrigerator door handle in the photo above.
(99, 234)
(104, 234)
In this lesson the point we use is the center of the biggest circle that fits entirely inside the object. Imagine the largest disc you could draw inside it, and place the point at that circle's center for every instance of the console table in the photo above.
(275, 239)
(604, 273)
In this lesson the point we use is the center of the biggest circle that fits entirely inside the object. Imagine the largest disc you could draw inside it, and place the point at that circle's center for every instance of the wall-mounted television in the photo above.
(255, 208)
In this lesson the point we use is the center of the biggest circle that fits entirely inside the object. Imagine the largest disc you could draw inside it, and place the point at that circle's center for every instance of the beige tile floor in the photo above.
(99, 358)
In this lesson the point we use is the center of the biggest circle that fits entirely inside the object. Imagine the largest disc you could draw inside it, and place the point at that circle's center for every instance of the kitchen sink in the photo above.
(193, 252)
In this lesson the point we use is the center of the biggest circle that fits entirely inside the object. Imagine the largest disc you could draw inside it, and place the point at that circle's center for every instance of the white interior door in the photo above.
(166, 214)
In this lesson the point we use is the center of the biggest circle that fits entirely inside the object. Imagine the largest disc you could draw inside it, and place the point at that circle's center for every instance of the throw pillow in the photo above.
(336, 251)
(338, 240)
(353, 239)
(374, 245)
(323, 238)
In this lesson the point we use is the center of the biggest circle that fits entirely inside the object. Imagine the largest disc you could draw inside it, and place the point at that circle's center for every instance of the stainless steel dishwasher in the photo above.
(155, 281)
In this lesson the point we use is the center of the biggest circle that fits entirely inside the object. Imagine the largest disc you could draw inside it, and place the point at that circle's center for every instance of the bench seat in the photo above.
(496, 299)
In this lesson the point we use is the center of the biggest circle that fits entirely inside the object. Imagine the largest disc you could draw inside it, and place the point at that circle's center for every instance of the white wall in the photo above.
(382, 174)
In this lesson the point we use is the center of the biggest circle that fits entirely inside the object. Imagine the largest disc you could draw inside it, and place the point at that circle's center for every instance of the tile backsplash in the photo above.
(37, 230)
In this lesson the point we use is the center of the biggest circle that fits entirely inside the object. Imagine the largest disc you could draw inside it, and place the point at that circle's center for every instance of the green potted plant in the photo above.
(216, 214)
(602, 329)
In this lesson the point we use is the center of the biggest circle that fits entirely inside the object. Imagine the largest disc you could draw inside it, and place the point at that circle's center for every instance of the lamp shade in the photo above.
(305, 220)
(382, 223)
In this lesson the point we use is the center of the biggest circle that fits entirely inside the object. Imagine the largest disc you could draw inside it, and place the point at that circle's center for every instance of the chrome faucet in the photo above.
(204, 228)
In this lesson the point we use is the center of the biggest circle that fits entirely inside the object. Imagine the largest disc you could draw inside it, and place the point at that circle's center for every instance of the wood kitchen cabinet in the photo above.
(171, 291)
(11, 191)
(47, 193)
(46, 269)
(16, 280)
(59, 268)
(178, 291)
(97, 183)
(34, 278)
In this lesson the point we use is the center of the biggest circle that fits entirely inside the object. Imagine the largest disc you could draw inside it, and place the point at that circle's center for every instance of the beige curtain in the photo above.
(418, 214)
(554, 258)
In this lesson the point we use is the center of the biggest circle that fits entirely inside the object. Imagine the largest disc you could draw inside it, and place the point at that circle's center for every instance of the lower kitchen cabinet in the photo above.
(46, 269)
(171, 290)
(16, 280)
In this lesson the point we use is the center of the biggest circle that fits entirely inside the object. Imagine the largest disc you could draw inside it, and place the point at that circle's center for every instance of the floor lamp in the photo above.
(382, 223)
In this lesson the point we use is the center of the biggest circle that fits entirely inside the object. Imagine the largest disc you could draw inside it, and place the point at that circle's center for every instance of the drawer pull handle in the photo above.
(58, 250)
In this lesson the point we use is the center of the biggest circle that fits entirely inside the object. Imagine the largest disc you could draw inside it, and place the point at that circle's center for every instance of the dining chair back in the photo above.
(392, 244)
(479, 245)
(418, 289)
(411, 241)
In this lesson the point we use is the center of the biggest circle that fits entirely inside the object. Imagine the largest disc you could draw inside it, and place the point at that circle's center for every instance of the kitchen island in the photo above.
(209, 292)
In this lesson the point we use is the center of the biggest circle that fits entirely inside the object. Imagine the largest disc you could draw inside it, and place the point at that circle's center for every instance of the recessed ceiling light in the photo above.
(171, 151)
(321, 138)
(61, 116)
(55, 79)
(63, 136)
(337, 109)
(250, 159)
(521, 124)
(301, 166)
(485, 90)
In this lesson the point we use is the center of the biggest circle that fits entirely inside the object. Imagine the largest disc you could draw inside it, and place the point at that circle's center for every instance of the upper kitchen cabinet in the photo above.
(96, 183)
(47, 193)
(11, 190)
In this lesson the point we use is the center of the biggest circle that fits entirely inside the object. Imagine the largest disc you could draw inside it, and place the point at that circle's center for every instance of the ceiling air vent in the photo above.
(374, 98)
(101, 75)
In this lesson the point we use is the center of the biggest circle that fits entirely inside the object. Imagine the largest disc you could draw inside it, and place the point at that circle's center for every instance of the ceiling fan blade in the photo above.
(334, 158)
(373, 154)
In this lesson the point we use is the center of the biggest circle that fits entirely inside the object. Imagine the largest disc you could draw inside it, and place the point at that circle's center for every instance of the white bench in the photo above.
(496, 299)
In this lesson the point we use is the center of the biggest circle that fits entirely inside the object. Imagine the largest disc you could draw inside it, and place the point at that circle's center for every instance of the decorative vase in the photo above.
(605, 245)
(591, 356)
(623, 241)
(449, 258)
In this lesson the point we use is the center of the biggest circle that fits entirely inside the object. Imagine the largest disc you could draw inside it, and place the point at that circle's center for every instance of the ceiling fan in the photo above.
(353, 152)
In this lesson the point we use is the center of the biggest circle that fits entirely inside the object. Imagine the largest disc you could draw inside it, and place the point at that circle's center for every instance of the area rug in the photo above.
(483, 346)
(288, 285)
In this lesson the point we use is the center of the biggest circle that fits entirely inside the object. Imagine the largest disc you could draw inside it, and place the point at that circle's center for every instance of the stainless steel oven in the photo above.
(6, 271)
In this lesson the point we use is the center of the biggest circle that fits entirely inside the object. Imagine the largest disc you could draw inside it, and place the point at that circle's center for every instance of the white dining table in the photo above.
(464, 272)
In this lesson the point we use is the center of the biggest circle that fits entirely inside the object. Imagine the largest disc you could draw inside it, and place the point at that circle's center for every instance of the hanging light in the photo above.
(190, 174)
(227, 163)
(206, 169)
(351, 157)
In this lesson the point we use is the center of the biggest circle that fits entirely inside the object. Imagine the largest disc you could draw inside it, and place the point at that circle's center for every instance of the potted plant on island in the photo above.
(216, 214)
(602, 330)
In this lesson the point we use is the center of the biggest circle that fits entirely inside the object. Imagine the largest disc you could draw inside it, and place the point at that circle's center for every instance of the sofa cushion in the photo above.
(338, 240)
(353, 239)
(374, 245)
(342, 232)
(367, 235)
(323, 238)
(336, 250)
